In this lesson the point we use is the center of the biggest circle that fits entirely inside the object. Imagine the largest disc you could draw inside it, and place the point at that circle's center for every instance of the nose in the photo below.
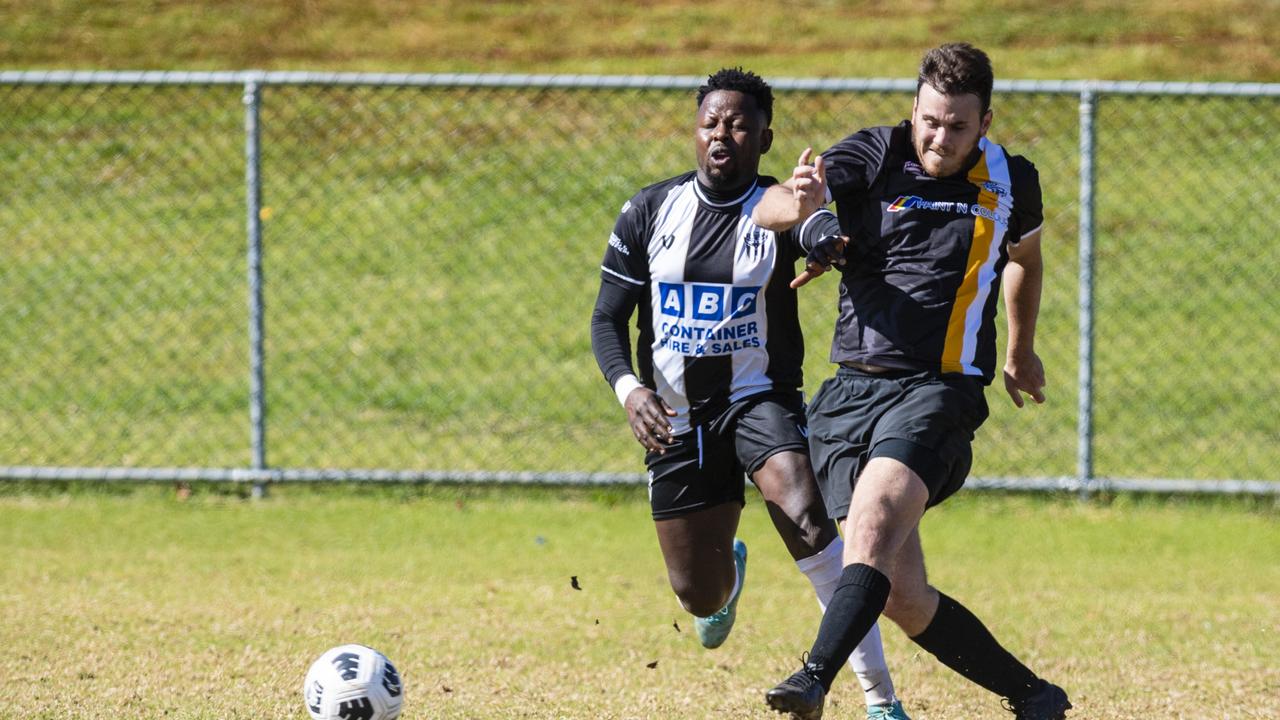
(720, 131)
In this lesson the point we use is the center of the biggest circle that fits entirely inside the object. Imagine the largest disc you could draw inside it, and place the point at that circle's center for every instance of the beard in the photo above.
(940, 163)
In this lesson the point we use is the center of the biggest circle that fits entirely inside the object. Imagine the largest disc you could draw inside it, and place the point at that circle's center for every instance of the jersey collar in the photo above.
(705, 197)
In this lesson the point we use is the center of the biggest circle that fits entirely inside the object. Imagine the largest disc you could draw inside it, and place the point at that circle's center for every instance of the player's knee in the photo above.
(910, 605)
(870, 538)
(790, 491)
(700, 599)
(791, 465)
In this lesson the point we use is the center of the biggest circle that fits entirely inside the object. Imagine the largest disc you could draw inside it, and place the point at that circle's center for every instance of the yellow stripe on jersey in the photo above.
(961, 331)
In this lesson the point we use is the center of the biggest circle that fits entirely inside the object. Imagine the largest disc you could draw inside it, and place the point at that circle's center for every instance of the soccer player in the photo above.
(720, 351)
(931, 215)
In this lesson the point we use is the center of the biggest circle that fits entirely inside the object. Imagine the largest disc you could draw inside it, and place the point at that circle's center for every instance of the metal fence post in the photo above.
(253, 203)
(1084, 422)
(88, 115)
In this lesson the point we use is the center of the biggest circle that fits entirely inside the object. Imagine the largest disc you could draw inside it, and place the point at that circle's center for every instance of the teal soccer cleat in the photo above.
(714, 630)
(892, 711)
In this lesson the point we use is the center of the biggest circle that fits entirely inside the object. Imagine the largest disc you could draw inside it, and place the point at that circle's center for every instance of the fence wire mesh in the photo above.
(430, 259)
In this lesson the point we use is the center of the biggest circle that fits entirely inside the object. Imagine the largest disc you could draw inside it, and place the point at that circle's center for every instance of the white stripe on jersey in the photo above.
(668, 247)
(998, 172)
(620, 276)
(715, 332)
(753, 259)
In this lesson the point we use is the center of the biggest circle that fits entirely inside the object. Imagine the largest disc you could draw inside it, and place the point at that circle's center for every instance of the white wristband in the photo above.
(623, 387)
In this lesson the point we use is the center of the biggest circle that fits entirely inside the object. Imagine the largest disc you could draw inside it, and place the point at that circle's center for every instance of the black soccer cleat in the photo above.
(1049, 703)
(802, 695)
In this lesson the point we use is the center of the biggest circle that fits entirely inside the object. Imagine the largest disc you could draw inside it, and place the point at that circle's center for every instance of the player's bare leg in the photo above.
(698, 551)
(887, 493)
(795, 506)
(888, 502)
(912, 600)
(706, 566)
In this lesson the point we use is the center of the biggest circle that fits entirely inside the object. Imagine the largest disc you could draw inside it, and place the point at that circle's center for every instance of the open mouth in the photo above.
(719, 158)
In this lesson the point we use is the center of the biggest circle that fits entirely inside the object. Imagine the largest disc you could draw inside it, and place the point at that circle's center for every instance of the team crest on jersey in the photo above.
(995, 188)
(754, 242)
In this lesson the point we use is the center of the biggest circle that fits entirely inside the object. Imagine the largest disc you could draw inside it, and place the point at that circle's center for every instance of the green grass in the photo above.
(430, 256)
(124, 602)
(430, 262)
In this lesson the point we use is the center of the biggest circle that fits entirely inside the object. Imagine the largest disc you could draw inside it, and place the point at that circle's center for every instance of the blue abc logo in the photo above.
(706, 301)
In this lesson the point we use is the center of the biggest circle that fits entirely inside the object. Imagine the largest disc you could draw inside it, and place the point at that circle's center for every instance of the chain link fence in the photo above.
(429, 253)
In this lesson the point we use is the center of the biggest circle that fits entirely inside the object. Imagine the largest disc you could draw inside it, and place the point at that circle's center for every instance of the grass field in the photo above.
(132, 603)
(1135, 39)
(430, 255)
(431, 259)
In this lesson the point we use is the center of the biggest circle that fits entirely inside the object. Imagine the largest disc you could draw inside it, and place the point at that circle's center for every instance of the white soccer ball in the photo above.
(353, 682)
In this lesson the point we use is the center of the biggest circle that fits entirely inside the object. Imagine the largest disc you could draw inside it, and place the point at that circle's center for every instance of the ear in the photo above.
(766, 140)
(986, 123)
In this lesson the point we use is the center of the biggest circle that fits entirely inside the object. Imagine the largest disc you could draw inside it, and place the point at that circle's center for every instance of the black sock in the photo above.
(961, 642)
(854, 607)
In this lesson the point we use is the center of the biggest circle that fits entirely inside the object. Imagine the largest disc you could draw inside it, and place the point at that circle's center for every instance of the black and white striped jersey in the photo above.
(717, 319)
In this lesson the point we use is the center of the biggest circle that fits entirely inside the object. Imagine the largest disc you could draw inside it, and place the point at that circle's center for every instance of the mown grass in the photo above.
(1140, 39)
(127, 602)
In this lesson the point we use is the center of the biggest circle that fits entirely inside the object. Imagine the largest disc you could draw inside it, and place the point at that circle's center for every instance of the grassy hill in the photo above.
(431, 256)
(1220, 40)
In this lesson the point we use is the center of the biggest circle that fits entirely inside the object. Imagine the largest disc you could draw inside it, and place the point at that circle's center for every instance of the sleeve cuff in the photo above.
(817, 221)
(623, 387)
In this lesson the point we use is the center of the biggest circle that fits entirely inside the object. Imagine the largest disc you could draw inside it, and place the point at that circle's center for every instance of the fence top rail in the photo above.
(639, 82)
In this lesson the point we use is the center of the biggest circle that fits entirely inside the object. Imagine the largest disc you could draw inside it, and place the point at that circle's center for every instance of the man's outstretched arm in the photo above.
(786, 204)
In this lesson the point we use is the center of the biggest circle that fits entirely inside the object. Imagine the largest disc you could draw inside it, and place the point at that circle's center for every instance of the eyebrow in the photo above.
(929, 116)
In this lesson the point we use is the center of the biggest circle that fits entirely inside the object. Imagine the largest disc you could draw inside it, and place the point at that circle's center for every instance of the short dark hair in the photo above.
(956, 69)
(743, 81)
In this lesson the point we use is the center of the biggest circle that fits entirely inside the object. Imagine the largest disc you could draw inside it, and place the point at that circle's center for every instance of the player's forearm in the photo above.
(779, 209)
(610, 340)
(1023, 279)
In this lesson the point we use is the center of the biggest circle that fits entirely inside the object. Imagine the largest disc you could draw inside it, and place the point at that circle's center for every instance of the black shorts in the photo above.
(924, 420)
(704, 467)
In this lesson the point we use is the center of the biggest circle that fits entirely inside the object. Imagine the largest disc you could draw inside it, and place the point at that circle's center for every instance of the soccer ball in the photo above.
(353, 682)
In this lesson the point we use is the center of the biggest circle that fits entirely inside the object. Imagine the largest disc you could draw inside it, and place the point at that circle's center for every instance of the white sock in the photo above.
(867, 660)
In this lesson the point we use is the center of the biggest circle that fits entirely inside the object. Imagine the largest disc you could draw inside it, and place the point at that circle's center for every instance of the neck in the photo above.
(721, 194)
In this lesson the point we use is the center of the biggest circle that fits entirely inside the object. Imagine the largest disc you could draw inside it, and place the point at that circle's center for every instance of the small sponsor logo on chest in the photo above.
(914, 202)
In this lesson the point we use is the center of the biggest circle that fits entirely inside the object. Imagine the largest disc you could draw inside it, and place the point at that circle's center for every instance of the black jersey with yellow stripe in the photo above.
(922, 278)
